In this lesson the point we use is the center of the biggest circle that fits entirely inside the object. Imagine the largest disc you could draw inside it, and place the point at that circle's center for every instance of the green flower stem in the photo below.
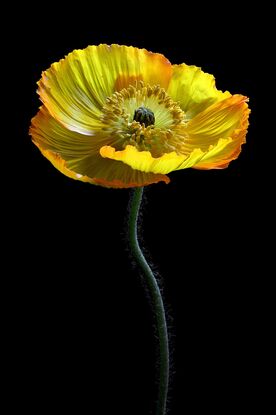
(157, 302)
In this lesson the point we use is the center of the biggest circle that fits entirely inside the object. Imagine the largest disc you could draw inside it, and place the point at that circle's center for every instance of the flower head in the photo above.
(120, 116)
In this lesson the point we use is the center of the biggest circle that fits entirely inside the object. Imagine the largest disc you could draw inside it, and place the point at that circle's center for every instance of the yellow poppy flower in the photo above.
(120, 116)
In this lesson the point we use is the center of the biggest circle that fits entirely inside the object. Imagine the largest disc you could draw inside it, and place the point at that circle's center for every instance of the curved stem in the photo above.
(157, 301)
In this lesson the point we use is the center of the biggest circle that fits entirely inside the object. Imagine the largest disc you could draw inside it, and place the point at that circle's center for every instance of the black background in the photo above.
(82, 325)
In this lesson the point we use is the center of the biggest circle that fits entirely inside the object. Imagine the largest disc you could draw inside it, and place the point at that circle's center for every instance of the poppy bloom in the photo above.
(120, 116)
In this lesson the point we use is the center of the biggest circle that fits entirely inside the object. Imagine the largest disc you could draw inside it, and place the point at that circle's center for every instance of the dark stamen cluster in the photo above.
(145, 116)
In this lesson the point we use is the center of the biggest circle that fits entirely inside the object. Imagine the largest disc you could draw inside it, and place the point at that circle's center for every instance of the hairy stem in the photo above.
(157, 302)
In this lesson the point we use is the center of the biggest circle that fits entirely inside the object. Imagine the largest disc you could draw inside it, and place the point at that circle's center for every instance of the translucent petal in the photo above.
(226, 119)
(75, 89)
(77, 156)
(193, 89)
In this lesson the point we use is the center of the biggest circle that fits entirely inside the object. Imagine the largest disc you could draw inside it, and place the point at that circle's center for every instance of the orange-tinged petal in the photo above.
(52, 135)
(133, 64)
(193, 89)
(124, 81)
(226, 119)
(77, 156)
(143, 160)
(75, 88)
(60, 165)
(217, 121)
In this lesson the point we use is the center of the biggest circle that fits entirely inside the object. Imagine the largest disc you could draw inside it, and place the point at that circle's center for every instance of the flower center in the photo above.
(144, 116)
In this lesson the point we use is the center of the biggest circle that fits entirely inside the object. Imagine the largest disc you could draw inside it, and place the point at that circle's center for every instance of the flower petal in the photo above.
(75, 89)
(77, 156)
(143, 160)
(226, 119)
(52, 135)
(131, 64)
(193, 89)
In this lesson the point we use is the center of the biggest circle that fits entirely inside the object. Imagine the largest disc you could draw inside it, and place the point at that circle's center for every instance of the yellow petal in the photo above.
(143, 160)
(212, 139)
(60, 165)
(226, 119)
(75, 89)
(52, 135)
(77, 156)
(193, 89)
(133, 64)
